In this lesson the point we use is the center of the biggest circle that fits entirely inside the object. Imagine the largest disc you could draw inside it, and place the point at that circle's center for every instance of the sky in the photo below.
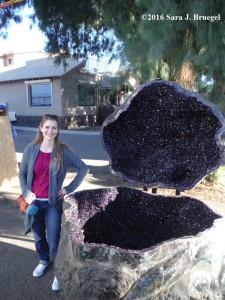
(23, 39)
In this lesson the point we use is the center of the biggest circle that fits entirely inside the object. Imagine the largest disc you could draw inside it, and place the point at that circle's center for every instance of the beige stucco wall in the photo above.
(21, 57)
(15, 95)
(69, 95)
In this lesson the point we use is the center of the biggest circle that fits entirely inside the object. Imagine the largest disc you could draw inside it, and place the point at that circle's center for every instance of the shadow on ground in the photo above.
(18, 259)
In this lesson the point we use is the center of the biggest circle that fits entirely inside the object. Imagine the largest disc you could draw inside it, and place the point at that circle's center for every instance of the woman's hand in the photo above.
(62, 193)
(30, 198)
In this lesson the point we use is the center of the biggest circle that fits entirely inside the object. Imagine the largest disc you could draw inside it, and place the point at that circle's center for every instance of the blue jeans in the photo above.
(46, 229)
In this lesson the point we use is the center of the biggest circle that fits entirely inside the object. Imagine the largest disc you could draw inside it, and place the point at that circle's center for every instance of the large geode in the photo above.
(164, 135)
(122, 243)
(133, 220)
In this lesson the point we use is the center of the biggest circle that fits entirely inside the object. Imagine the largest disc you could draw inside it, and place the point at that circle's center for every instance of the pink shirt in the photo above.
(41, 164)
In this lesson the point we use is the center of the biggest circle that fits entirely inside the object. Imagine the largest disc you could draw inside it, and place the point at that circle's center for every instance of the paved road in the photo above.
(87, 145)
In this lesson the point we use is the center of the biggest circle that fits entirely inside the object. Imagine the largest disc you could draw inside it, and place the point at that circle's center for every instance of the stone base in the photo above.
(8, 161)
(178, 251)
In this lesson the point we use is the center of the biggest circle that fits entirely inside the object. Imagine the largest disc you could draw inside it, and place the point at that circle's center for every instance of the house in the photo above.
(32, 88)
(11, 58)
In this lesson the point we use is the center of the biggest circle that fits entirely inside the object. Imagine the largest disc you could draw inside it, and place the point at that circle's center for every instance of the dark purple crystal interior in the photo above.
(164, 136)
(131, 219)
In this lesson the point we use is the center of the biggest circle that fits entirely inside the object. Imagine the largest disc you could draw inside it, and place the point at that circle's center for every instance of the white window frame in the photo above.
(29, 83)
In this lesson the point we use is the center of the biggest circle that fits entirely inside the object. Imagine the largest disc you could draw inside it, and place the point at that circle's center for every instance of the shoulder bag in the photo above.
(22, 202)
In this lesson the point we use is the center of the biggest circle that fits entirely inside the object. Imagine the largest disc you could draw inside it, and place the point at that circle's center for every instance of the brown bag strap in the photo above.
(41, 181)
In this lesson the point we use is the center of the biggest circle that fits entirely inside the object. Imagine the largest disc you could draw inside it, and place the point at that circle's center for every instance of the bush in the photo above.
(215, 177)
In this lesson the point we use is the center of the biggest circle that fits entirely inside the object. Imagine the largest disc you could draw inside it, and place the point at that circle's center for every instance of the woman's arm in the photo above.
(72, 160)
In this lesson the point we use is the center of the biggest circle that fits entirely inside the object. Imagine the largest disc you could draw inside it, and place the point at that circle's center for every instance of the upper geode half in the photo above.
(164, 136)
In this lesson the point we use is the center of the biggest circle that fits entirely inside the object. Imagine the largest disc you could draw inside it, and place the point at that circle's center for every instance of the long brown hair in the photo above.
(58, 145)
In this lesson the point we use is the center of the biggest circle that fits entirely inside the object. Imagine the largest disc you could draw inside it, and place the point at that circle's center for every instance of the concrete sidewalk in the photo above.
(18, 259)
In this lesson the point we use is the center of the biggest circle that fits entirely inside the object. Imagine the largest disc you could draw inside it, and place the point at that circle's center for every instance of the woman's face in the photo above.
(49, 130)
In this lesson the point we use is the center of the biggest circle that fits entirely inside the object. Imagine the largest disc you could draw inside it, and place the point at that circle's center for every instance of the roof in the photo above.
(37, 69)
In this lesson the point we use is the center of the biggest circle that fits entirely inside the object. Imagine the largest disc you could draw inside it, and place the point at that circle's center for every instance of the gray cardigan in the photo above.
(56, 179)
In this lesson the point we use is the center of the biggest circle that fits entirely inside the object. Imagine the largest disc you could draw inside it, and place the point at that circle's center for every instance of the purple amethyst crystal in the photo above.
(133, 220)
(164, 136)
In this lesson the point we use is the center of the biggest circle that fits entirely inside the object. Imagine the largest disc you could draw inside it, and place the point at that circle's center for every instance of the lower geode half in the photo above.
(122, 243)
(164, 136)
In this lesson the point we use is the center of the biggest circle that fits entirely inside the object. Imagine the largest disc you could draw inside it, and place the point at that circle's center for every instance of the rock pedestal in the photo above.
(122, 243)
(8, 161)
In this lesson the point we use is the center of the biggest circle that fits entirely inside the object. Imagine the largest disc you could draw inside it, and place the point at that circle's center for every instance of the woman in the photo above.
(42, 171)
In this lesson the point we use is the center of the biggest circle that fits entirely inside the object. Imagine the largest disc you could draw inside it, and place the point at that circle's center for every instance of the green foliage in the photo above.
(211, 178)
(215, 177)
(73, 27)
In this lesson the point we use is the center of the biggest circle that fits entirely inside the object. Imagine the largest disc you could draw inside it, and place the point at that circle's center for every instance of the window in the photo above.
(40, 94)
(86, 94)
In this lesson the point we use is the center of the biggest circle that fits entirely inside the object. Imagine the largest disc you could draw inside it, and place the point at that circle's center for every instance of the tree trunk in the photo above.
(186, 76)
(217, 95)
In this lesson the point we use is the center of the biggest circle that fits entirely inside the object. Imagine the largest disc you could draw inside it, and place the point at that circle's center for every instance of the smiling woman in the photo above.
(47, 161)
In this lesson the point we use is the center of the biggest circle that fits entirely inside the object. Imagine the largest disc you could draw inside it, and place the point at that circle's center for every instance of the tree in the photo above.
(74, 27)
(156, 38)
(9, 13)
(174, 40)
(210, 62)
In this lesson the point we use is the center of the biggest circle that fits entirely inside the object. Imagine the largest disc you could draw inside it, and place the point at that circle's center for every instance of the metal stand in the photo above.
(177, 193)
(154, 190)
